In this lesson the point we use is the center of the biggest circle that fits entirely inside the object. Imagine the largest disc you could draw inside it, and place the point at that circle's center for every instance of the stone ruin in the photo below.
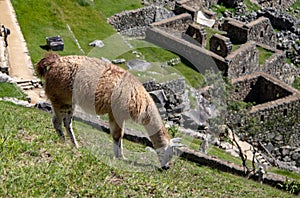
(262, 84)
(179, 33)
(277, 4)
(135, 22)
(260, 31)
(276, 109)
(220, 45)
(280, 20)
(195, 34)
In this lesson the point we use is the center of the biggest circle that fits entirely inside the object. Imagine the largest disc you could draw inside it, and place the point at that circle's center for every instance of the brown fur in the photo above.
(115, 88)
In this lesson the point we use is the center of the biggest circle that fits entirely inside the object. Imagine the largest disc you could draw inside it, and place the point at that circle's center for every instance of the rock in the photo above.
(97, 43)
(5, 78)
(119, 61)
(42, 93)
(45, 106)
(159, 98)
(139, 65)
(192, 120)
(270, 147)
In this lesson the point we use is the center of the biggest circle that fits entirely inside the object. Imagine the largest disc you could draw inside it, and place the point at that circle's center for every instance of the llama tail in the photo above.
(43, 65)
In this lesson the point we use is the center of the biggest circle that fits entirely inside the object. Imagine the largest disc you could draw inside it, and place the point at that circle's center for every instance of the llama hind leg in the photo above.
(68, 125)
(57, 123)
(117, 134)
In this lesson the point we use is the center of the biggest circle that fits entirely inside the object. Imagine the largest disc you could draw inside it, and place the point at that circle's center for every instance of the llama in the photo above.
(102, 88)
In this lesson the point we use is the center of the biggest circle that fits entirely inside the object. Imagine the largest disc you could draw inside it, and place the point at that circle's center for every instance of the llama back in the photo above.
(88, 76)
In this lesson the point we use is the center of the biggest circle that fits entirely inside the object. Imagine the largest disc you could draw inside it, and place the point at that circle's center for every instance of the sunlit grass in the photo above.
(35, 163)
(11, 90)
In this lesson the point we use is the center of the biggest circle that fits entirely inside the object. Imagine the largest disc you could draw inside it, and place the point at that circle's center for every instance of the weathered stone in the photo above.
(119, 61)
(139, 65)
(97, 43)
(159, 98)
(45, 106)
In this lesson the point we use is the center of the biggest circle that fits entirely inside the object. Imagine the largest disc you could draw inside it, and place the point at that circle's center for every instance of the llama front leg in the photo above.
(68, 125)
(117, 134)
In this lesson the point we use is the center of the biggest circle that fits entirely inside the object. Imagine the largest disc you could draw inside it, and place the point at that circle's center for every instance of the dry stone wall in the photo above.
(243, 61)
(262, 32)
(275, 113)
(278, 5)
(170, 97)
(280, 20)
(135, 22)
(236, 31)
(220, 45)
(201, 58)
(276, 66)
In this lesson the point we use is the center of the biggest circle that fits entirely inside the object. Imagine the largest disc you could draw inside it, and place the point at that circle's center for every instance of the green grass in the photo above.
(12, 91)
(39, 19)
(220, 9)
(251, 6)
(263, 55)
(50, 18)
(296, 83)
(209, 33)
(34, 163)
(295, 6)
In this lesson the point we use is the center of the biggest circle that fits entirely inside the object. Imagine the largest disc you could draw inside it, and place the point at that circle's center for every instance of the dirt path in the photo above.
(20, 66)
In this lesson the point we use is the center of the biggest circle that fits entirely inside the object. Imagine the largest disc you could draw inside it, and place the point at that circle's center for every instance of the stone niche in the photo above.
(220, 45)
(196, 35)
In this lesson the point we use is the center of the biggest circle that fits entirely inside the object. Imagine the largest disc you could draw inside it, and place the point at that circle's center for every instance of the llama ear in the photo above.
(176, 142)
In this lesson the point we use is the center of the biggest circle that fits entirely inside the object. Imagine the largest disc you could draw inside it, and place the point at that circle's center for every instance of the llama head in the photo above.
(165, 154)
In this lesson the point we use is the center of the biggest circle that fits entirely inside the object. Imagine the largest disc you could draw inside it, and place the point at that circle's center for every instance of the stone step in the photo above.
(27, 87)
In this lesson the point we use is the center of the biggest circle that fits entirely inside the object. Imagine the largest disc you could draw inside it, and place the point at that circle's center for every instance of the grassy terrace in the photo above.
(39, 19)
(263, 54)
(50, 18)
(34, 163)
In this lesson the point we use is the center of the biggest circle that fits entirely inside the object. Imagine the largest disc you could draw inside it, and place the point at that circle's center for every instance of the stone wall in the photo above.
(220, 45)
(243, 61)
(276, 66)
(180, 23)
(193, 6)
(262, 32)
(274, 120)
(278, 5)
(236, 30)
(195, 34)
(280, 20)
(135, 22)
(170, 97)
(201, 58)
(170, 4)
